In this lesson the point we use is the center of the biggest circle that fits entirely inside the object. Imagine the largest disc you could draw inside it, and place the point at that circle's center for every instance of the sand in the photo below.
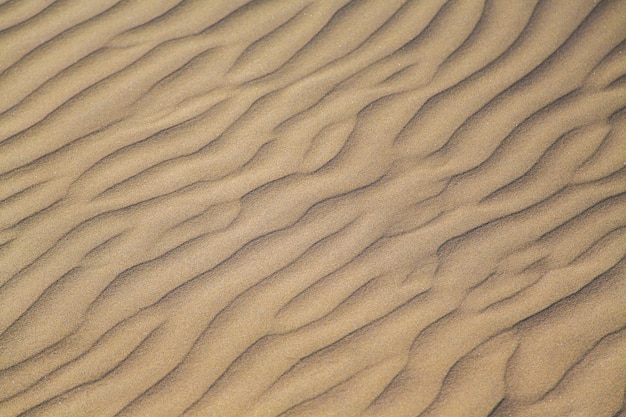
(378, 208)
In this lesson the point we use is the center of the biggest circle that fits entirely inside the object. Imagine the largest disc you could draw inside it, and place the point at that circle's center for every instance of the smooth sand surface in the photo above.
(380, 208)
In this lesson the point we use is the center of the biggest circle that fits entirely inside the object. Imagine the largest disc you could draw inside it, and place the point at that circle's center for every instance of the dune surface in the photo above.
(378, 208)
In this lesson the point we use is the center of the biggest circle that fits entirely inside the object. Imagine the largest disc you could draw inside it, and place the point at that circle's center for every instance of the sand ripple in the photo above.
(313, 208)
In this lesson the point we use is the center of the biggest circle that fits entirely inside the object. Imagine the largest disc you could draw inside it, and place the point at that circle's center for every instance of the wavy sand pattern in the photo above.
(313, 208)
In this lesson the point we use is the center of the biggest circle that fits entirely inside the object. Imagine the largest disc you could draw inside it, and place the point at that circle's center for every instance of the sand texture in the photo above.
(377, 208)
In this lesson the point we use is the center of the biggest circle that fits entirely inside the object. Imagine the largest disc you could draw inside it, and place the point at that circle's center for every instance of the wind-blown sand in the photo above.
(313, 208)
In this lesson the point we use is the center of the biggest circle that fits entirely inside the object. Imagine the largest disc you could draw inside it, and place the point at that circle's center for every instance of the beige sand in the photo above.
(313, 208)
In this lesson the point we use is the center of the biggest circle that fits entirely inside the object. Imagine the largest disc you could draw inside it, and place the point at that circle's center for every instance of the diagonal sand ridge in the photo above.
(271, 208)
